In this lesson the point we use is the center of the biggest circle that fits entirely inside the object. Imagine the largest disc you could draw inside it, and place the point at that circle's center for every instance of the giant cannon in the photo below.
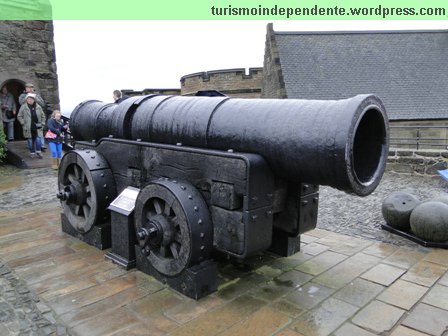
(235, 176)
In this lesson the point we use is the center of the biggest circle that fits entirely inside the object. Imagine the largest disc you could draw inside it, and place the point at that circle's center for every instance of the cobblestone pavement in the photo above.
(22, 312)
(24, 187)
(361, 216)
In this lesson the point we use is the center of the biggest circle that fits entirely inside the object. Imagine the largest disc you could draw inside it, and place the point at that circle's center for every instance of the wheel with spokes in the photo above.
(173, 226)
(86, 188)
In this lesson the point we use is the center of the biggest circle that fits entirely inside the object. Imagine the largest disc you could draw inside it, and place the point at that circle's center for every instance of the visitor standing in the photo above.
(29, 88)
(8, 107)
(54, 136)
(31, 117)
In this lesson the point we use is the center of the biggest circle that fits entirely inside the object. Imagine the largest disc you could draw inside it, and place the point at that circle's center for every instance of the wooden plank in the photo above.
(40, 249)
(17, 236)
(105, 324)
(27, 244)
(57, 285)
(70, 286)
(108, 304)
(141, 329)
(77, 300)
(38, 274)
(29, 259)
(7, 229)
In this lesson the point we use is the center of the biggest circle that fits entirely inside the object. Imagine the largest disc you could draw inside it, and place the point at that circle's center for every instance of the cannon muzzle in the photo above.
(340, 143)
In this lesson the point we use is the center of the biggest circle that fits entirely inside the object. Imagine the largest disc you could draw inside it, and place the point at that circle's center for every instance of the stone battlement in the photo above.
(228, 81)
(205, 75)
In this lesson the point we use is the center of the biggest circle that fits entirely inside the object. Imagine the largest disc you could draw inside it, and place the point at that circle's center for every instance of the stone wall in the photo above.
(28, 55)
(417, 162)
(167, 92)
(273, 85)
(231, 82)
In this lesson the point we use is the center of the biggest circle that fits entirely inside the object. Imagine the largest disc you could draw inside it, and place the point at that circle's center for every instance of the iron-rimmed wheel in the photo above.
(86, 188)
(173, 226)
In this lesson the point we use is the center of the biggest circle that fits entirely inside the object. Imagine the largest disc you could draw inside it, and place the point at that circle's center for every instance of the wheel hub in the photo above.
(74, 193)
(165, 229)
(159, 231)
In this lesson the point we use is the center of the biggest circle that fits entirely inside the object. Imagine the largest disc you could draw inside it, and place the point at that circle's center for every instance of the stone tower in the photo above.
(28, 56)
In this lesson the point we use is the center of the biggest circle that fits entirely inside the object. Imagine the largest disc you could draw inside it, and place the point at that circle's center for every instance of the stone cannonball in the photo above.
(397, 208)
(429, 221)
(443, 199)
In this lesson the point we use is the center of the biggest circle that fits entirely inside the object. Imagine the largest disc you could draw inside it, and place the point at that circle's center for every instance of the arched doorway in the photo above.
(15, 87)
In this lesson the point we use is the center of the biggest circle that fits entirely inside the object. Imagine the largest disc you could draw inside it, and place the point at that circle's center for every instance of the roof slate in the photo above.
(408, 70)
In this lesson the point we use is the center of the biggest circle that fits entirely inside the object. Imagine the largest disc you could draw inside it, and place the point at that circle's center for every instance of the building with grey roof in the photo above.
(408, 70)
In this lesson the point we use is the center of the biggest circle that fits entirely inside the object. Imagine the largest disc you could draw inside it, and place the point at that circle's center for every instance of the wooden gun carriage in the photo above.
(236, 176)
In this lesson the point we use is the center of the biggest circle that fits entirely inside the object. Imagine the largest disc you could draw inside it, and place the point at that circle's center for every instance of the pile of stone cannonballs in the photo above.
(427, 220)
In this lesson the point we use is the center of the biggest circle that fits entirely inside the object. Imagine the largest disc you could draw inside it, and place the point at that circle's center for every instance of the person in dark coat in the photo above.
(31, 117)
(29, 89)
(54, 136)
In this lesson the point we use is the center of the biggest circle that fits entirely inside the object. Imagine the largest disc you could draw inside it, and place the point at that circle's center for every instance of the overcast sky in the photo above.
(96, 57)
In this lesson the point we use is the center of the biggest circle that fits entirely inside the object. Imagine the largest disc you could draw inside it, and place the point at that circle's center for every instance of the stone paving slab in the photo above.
(428, 319)
(383, 274)
(403, 294)
(378, 317)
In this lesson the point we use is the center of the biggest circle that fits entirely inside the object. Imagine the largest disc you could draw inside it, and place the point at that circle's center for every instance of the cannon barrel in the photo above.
(340, 143)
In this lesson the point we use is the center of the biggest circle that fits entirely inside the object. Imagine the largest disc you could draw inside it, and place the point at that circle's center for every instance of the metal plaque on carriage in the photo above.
(125, 202)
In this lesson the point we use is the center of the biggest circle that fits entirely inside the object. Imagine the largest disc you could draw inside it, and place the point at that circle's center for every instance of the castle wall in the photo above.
(28, 55)
(417, 162)
(231, 82)
(144, 92)
(273, 85)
